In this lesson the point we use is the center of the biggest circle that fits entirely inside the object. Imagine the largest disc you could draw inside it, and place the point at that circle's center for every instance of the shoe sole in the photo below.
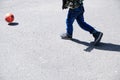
(98, 39)
(66, 38)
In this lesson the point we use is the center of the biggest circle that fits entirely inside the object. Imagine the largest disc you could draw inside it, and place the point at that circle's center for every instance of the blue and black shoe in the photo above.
(97, 36)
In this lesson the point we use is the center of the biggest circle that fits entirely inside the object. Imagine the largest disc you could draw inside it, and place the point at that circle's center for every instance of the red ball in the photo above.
(9, 17)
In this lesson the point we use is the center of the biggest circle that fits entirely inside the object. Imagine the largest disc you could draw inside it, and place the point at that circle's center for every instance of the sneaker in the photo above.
(66, 36)
(97, 36)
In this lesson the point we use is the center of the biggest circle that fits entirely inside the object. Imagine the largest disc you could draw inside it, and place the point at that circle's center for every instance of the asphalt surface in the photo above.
(31, 48)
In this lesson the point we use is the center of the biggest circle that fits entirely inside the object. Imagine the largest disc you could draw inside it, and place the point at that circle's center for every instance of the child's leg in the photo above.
(96, 34)
(69, 22)
(84, 25)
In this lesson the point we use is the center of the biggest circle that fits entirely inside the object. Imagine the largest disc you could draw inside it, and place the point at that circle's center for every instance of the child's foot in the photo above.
(66, 36)
(97, 36)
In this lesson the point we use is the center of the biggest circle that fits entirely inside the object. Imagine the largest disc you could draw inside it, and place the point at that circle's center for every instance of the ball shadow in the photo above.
(13, 24)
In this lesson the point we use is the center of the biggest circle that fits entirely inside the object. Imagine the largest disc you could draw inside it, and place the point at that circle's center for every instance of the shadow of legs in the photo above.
(90, 45)
(101, 46)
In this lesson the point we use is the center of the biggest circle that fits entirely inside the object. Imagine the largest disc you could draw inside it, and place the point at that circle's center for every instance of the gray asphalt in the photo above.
(32, 49)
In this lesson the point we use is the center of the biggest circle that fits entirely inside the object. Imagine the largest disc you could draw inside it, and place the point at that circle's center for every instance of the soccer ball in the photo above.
(9, 17)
